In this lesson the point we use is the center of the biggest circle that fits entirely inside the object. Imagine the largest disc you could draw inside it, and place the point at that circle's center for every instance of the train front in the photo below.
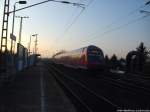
(95, 58)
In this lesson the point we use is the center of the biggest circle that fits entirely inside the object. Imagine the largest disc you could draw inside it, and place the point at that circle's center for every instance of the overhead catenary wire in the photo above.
(70, 21)
(64, 2)
(117, 28)
(76, 18)
(72, 15)
(108, 26)
(119, 19)
(93, 35)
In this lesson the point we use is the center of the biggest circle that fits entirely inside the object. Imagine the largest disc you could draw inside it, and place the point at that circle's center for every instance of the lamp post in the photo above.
(35, 47)
(29, 44)
(12, 34)
(64, 2)
(24, 2)
(20, 31)
(34, 35)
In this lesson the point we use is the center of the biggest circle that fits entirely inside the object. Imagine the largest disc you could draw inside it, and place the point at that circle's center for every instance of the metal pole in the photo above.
(21, 22)
(20, 30)
(36, 44)
(5, 26)
(29, 44)
(20, 2)
(64, 2)
(13, 26)
(3, 48)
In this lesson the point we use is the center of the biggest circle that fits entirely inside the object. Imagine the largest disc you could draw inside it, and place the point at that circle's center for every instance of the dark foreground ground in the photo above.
(34, 90)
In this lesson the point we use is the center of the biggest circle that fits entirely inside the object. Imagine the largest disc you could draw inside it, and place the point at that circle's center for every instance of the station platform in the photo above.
(34, 90)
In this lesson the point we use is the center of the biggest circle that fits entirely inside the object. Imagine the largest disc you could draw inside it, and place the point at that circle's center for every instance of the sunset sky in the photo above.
(116, 26)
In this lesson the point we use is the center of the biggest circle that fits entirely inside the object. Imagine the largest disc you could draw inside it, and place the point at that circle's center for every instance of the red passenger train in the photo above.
(90, 57)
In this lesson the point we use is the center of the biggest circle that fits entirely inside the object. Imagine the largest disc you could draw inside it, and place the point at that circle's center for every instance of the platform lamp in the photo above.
(12, 34)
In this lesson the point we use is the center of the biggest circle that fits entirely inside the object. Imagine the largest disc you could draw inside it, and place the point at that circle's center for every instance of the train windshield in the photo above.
(95, 54)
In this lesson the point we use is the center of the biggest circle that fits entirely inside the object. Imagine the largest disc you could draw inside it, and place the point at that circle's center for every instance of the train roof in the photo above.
(93, 46)
(89, 46)
(86, 47)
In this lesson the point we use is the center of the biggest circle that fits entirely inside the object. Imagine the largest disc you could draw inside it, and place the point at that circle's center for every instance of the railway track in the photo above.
(131, 86)
(137, 79)
(124, 94)
(85, 99)
(132, 83)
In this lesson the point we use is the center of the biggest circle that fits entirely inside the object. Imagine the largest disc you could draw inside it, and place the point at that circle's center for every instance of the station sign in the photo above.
(13, 37)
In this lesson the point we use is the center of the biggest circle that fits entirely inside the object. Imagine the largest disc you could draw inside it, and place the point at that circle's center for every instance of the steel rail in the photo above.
(139, 76)
(125, 85)
(86, 88)
(68, 88)
(114, 83)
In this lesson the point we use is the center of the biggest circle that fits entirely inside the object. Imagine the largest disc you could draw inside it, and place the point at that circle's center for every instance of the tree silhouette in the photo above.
(143, 50)
(106, 59)
(114, 61)
(122, 60)
(113, 58)
(122, 63)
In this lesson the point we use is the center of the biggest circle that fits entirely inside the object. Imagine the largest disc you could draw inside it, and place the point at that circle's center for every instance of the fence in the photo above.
(10, 63)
